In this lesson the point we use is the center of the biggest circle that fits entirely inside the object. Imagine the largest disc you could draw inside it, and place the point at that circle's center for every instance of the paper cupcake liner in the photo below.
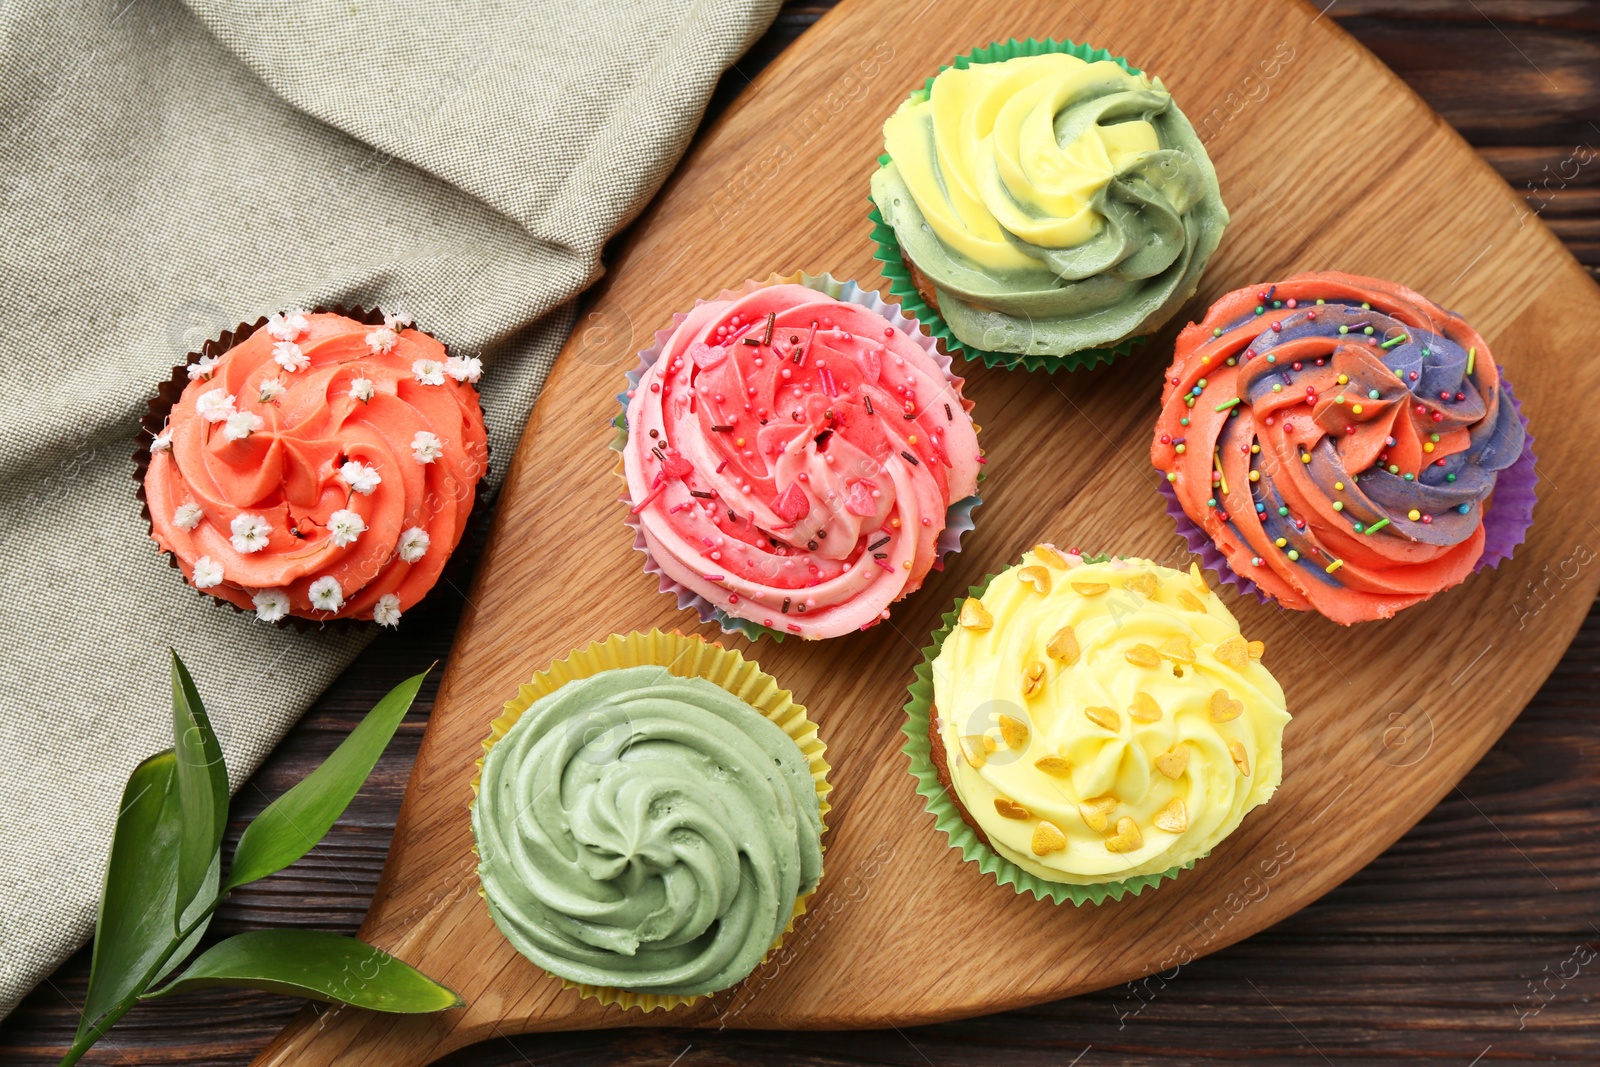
(686, 657)
(154, 420)
(958, 517)
(947, 818)
(1506, 519)
(894, 267)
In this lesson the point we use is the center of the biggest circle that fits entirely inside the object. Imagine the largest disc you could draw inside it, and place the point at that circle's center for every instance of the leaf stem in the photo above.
(103, 1025)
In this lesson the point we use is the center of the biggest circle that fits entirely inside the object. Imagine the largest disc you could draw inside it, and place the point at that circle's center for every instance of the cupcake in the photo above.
(1085, 728)
(649, 819)
(1047, 201)
(798, 458)
(315, 465)
(1343, 445)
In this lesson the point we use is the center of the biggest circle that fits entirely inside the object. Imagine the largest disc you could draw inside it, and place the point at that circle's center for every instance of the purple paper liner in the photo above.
(958, 517)
(1505, 520)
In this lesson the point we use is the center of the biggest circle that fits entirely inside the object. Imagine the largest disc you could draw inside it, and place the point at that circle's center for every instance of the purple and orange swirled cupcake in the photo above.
(1343, 445)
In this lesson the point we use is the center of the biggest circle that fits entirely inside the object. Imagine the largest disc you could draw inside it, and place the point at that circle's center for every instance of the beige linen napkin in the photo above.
(168, 171)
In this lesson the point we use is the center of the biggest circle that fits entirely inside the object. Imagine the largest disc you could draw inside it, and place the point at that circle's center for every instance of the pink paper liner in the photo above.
(1505, 521)
(958, 517)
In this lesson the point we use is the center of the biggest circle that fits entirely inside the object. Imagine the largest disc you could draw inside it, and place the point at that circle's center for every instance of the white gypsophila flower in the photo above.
(396, 320)
(362, 389)
(288, 326)
(326, 594)
(250, 533)
(344, 526)
(271, 604)
(428, 371)
(360, 477)
(241, 424)
(426, 447)
(387, 610)
(414, 544)
(207, 573)
(187, 516)
(381, 340)
(271, 389)
(464, 368)
(162, 443)
(215, 405)
(290, 357)
(204, 367)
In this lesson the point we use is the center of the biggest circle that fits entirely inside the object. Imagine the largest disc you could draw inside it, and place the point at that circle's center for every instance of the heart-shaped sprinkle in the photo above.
(974, 616)
(1178, 649)
(1010, 809)
(1097, 812)
(1047, 838)
(1190, 601)
(792, 504)
(1173, 762)
(1090, 588)
(976, 749)
(1104, 717)
(1174, 818)
(1063, 645)
(1014, 732)
(1048, 555)
(1142, 655)
(1257, 649)
(1232, 652)
(1224, 708)
(1241, 758)
(1054, 766)
(1032, 678)
(1198, 579)
(1127, 838)
(1038, 577)
(1143, 584)
(1144, 708)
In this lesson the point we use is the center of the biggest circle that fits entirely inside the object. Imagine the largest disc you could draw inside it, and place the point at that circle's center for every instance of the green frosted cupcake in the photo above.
(1047, 202)
(649, 817)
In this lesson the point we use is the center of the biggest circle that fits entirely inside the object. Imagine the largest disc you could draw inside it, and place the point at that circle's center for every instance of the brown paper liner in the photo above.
(159, 407)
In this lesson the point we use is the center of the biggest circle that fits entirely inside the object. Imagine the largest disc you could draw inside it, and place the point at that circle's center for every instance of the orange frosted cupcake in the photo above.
(316, 465)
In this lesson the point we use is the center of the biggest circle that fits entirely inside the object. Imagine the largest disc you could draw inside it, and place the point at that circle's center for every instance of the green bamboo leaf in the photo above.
(137, 902)
(316, 965)
(296, 821)
(202, 780)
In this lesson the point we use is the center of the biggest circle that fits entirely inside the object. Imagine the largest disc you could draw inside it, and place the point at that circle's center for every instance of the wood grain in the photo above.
(777, 183)
(1534, 784)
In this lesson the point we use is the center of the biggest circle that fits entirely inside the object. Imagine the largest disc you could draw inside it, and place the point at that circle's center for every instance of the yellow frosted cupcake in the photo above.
(1085, 728)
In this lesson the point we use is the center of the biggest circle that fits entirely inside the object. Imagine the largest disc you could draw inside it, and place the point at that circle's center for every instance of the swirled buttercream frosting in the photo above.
(1339, 439)
(1052, 204)
(791, 458)
(646, 832)
(1102, 721)
(321, 467)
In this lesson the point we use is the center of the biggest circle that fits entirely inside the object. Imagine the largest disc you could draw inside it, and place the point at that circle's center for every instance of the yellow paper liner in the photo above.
(685, 657)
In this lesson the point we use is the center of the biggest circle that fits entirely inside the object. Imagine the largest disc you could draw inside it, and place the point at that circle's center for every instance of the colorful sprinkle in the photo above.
(1375, 527)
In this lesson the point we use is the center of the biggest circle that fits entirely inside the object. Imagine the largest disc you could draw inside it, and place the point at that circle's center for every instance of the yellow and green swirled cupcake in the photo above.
(1086, 728)
(1049, 202)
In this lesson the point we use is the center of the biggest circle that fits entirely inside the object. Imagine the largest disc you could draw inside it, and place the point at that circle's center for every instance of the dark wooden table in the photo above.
(1474, 940)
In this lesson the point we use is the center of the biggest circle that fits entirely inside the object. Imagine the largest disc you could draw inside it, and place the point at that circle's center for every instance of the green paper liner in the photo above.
(894, 268)
(948, 819)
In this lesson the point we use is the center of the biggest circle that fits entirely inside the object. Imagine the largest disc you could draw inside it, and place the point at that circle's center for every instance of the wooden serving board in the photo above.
(1326, 161)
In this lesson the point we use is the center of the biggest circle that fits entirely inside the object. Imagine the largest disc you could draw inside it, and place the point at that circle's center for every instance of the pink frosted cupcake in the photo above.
(798, 457)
